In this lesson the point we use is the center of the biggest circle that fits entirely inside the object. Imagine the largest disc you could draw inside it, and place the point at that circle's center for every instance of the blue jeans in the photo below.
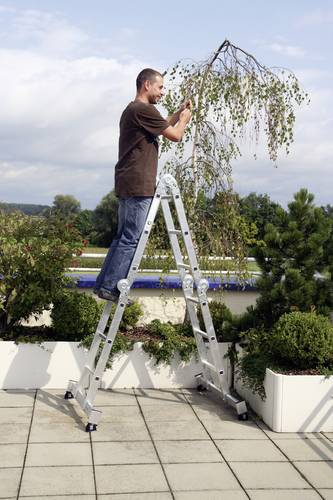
(132, 215)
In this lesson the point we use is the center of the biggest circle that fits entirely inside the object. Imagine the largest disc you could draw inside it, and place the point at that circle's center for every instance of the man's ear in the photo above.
(146, 85)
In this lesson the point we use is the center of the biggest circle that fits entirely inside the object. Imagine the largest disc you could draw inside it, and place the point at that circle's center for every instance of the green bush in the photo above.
(75, 315)
(169, 341)
(305, 340)
(34, 253)
(299, 341)
(221, 317)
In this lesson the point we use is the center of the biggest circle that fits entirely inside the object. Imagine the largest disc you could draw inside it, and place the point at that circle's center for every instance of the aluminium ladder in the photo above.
(195, 289)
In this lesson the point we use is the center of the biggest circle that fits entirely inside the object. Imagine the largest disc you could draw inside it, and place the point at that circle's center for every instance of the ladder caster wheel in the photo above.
(201, 388)
(91, 427)
(243, 416)
(68, 395)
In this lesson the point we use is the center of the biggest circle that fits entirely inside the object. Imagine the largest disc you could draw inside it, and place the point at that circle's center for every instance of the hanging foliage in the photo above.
(234, 96)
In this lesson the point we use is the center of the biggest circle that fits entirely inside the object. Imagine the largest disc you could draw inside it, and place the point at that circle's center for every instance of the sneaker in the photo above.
(108, 295)
(112, 296)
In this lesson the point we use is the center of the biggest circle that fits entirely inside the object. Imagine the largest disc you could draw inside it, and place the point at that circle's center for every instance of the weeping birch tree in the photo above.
(234, 97)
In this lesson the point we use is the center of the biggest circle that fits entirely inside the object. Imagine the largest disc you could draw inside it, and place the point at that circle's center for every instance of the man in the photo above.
(135, 174)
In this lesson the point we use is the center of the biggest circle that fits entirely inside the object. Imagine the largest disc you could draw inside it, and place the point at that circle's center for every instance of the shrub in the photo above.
(305, 340)
(221, 317)
(34, 252)
(169, 341)
(299, 341)
(75, 315)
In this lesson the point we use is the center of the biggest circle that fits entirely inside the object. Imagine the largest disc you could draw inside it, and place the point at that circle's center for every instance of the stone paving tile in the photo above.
(120, 413)
(209, 411)
(63, 413)
(15, 416)
(14, 398)
(199, 477)
(219, 429)
(329, 435)
(169, 413)
(58, 432)
(115, 397)
(14, 433)
(147, 397)
(283, 495)
(39, 481)
(58, 454)
(12, 455)
(130, 479)
(125, 452)
(269, 475)
(9, 482)
(327, 494)
(137, 496)
(61, 497)
(211, 495)
(249, 450)
(320, 474)
(187, 451)
(121, 431)
(306, 449)
(177, 430)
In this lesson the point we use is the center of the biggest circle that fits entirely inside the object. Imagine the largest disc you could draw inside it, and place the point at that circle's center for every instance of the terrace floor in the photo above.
(153, 445)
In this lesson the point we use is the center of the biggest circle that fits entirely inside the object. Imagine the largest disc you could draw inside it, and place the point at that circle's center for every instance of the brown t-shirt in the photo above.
(135, 172)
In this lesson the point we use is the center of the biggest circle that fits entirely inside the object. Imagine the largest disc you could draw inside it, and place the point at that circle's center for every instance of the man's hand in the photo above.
(186, 105)
(185, 115)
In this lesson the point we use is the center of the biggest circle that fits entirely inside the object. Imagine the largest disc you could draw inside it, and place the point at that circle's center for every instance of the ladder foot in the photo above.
(91, 427)
(201, 388)
(68, 395)
(243, 416)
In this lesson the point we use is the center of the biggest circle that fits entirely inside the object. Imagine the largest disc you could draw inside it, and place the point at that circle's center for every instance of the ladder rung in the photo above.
(201, 332)
(193, 299)
(166, 197)
(209, 365)
(185, 266)
(89, 369)
(102, 335)
(174, 231)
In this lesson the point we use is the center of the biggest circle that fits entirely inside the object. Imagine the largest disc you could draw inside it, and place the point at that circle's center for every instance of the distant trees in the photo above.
(260, 210)
(105, 219)
(66, 206)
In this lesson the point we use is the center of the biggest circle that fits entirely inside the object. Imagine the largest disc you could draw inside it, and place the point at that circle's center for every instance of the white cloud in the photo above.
(60, 109)
(316, 17)
(287, 50)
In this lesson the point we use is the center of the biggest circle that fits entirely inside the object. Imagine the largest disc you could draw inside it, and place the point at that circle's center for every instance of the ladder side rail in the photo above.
(96, 377)
(90, 361)
(99, 330)
(186, 279)
(201, 290)
(114, 326)
(194, 264)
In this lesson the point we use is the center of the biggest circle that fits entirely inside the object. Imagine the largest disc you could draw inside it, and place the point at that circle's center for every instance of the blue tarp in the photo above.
(152, 281)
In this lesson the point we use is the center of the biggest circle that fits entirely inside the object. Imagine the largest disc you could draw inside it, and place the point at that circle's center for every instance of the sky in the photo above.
(68, 69)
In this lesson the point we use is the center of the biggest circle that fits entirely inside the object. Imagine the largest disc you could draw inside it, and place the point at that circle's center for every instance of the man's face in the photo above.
(155, 90)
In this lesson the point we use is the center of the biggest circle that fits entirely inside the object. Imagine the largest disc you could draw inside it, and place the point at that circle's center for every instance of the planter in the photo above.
(52, 364)
(294, 403)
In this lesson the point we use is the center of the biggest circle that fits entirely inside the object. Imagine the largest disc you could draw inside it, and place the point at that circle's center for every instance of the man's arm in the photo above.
(175, 132)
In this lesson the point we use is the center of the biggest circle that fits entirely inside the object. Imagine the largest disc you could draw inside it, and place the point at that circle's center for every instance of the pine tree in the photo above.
(293, 261)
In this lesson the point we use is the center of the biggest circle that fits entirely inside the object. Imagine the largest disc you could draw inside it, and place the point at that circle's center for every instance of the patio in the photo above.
(153, 445)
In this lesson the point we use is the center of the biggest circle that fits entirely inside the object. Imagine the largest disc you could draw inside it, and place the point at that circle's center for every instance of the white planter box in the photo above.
(52, 365)
(294, 403)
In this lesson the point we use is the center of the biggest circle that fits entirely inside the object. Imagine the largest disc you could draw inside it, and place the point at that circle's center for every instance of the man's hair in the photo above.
(146, 74)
